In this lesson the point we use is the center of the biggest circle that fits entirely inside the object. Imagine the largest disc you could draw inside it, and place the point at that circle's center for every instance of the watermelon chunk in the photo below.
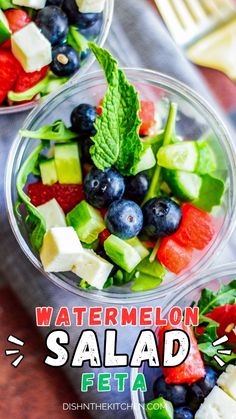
(147, 116)
(174, 256)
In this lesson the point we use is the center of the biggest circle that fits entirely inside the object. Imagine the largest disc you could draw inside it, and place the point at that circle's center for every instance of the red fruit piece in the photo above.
(104, 235)
(192, 369)
(147, 116)
(99, 108)
(67, 196)
(27, 80)
(174, 256)
(17, 19)
(196, 229)
(9, 71)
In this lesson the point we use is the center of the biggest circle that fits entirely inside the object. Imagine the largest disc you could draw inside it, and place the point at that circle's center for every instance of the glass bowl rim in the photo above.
(109, 9)
(180, 89)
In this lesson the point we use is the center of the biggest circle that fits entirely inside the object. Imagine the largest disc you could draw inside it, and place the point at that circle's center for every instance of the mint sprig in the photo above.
(117, 141)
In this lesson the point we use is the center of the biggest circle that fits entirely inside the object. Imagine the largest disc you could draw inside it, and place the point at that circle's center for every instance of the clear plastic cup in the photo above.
(212, 279)
(195, 119)
(107, 19)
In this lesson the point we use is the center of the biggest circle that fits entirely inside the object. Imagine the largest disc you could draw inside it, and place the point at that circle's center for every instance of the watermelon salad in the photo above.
(200, 387)
(119, 197)
(43, 43)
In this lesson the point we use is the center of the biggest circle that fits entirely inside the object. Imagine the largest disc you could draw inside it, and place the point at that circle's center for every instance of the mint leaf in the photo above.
(210, 299)
(116, 142)
(56, 131)
(34, 220)
(211, 193)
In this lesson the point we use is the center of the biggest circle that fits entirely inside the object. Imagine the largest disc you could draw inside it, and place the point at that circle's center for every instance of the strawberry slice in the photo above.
(147, 116)
(17, 19)
(67, 196)
(9, 71)
(192, 369)
(196, 229)
(174, 256)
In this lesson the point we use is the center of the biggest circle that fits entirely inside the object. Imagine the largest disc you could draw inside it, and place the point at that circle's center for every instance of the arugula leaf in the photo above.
(77, 41)
(30, 93)
(34, 220)
(210, 299)
(211, 193)
(209, 351)
(56, 131)
(7, 4)
(116, 142)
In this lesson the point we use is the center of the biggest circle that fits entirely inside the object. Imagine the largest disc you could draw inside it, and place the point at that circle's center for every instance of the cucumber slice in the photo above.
(179, 156)
(87, 222)
(48, 172)
(144, 282)
(184, 186)
(121, 253)
(159, 409)
(147, 160)
(5, 32)
(68, 163)
(138, 246)
(206, 159)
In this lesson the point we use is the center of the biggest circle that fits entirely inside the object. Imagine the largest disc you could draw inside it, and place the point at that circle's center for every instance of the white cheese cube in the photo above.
(90, 6)
(92, 268)
(34, 4)
(217, 405)
(53, 214)
(227, 381)
(31, 48)
(60, 250)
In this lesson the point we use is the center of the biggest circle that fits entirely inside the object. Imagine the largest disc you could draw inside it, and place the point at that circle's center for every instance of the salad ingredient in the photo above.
(78, 42)
(215, 406)
(55, 132)
(147, 116)
(67, 196)
(48, 171)
(174, 256)
(86, 221)
(54, 3)
(211, 192)
(103, 236)
(206, 160)
(159, 409)
(185, 186)
(116, 141)
(122, 253)
(53, 214)
(103, 187)
(200, 390)
(161, 217)
(31, 59)
(90, 6)
(227, 381)
(65, 61)
(33, 4)
(124, 218)
(60, 250)
(82, 20)
(93, 30)
(83, 118)
(53, 23)
(192, 369)
(67, 163)
(28, 94)
(5, 31)
(136, 187)
(85, 145)
(9, 71)
(209, 299)
(27, 80)
(92, 268)
(143, 282)
(196, 229)
(17, 19)
(176, 393)
(139, 247)
(182, 155)
(183, 413)
(147, 160)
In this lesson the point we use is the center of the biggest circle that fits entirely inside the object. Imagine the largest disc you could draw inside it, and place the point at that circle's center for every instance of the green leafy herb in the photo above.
(84, 284)
(211, 193)
(76, 40)
(30, 93)
(34, 220)
(56, 131)
(116, 142)
(7, 4)
(210, 299)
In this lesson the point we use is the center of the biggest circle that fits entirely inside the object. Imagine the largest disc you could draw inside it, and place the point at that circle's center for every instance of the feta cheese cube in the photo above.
(92, 268)
(53, 214)
(217, 405)
(34, 4)
(227, 381)
(31, 48)
(61, 249)
(90, 6)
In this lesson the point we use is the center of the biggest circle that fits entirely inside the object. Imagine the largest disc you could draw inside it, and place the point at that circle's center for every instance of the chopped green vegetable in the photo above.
(159, 409)
(56, 132)
(206, 160)
(30, 93)
(211, 193)
(76, 40)
(54, 82)
(7, 4)
(116, 142)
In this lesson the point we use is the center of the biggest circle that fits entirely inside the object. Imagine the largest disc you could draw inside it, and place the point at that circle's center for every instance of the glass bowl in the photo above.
(107, 19)
(212, 279)
(195, 116)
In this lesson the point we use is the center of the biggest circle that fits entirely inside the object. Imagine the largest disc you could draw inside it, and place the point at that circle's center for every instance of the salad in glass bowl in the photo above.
(204, 385)
(121, 189)
(45, 43)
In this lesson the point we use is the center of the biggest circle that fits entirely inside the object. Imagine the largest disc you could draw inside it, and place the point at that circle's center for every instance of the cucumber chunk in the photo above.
(147, 160)
(184, 186)
(179, 156)
(159, 409)
(206, 159)
(138, 246)
(121, 253)
(68, 163)
(48, 172)
(5, 32)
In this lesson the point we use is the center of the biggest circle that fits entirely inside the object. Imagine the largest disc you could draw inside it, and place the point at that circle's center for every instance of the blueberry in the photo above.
(162, 217)
(81, 20)
(183, 413)
(65, 61)
(199, 390)
(124, 219)
(54, 3)
(136, 187)
(83, 118)
(175, 393)
(85, 145)
(94, 30)
(102, 188)
(53, 23)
